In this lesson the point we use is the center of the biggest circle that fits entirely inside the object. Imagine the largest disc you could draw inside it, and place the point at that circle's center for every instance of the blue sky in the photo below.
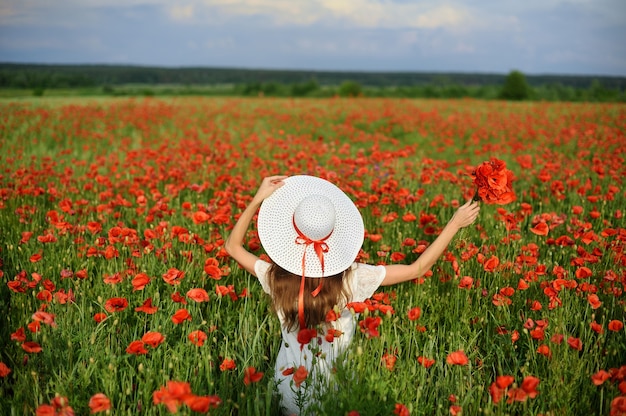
(585, 37)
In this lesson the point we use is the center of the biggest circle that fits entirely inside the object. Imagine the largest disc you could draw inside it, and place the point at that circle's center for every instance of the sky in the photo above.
(564, 37)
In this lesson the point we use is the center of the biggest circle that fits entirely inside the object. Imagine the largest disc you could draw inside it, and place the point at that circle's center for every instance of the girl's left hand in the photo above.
(268, 186)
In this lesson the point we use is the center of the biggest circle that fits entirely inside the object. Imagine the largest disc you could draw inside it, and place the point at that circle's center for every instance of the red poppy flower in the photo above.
(180, 316)
(516, 395)
(136, 348)
(409, 217)
(493, 182)
(466, 282)
(575, 343)
(618, 406)
(4, 370)
(425, 362)
(490, 264)
(455, 410)
(99, 317)
(229, 290)
(499, 299)
(600, 377)
(540, 229)
(153, 339)
(202, 404)
(63, 297)
(34, 326)
(390, 217)
(537, 333)
(59, 406)
(17, 286)
(503, 382)
(211, 267)
(615, 325)
(557, 339)
(300, 375)
(19, 335)
(198, 295)
(99, 402)
(227, 364)
(332, 316)
(49, 285)
(583, 272)
(110, 252)
(374, 238)
(414, 313)
(389, 360)
(251, 376)
(140, 281)
(369, 326)
(522, 285)
(26, 235)
(44, 317)
(496, 392)
(147, 307)
(306, 335)
(45, 296)
(401, 410)
(173, 276)
(359, 307)
(172, 395)
(114, 279)
(594, 301)
(331, 334)
(178, 298)
(31, 347)
(457, 358)
(198, 337)
(529, 385)
(200, 217)
(116, 305)
(397, 256)
(544, 350)
(596, 327)
(47, 238)
(45, 410)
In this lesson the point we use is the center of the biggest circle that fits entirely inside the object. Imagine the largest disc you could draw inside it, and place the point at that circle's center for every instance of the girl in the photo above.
(313, 232)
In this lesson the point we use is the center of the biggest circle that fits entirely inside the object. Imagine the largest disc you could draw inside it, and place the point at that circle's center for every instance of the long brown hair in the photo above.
(285, 287)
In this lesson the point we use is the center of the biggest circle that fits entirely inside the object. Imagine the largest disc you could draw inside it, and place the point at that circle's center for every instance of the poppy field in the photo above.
(117, 296)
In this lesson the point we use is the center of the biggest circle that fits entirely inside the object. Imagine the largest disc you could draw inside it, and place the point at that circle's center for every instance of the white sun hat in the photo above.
(310, 227)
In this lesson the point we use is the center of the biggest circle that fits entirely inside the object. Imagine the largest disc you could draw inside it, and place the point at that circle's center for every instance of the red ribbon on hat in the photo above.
(320, 248)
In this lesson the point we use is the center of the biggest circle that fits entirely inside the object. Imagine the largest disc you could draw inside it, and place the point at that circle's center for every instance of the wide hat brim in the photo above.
(278, 235)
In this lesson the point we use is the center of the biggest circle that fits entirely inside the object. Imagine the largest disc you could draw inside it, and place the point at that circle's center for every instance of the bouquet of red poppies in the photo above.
(493, 183)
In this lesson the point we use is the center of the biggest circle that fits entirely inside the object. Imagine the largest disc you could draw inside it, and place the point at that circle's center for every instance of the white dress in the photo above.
(319, 355)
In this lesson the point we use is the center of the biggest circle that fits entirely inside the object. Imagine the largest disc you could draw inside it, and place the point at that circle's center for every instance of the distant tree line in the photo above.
(139, 80)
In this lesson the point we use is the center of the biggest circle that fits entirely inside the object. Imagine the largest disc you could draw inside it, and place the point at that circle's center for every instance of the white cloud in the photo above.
(181, 13)
(354, 13)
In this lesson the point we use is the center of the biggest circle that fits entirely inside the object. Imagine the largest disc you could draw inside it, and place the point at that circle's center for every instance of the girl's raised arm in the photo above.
(398, 273)
(234, 243)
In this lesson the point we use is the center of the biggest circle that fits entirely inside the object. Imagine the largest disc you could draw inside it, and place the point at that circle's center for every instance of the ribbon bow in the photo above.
(320, 248)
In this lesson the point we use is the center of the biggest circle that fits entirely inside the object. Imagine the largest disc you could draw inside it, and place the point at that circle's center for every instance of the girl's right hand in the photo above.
(268, 186)
(466, 214)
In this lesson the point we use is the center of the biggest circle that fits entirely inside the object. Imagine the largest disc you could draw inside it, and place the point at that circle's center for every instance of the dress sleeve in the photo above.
(260, 268)
(365, 280)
